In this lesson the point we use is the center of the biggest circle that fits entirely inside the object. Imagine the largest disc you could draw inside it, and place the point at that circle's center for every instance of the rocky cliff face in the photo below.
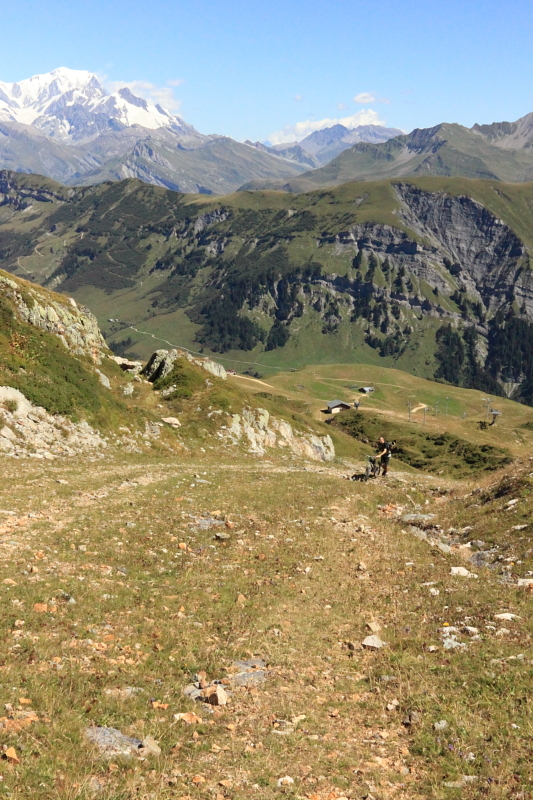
(74, 325)
(259, 431)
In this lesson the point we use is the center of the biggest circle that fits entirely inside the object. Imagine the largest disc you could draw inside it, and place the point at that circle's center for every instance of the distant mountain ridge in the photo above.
(65, 125)
(319, 147)
(501, 151)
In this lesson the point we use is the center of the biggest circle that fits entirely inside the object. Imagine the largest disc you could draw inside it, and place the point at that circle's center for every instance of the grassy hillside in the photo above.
(120, 591)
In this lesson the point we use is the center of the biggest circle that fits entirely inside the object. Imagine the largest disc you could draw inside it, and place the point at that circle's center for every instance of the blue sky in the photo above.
(277, 70)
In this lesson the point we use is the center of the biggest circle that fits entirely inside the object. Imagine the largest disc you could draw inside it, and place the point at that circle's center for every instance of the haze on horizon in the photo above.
(282, 71)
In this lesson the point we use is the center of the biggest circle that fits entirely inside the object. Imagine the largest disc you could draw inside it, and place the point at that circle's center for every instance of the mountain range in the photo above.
(66, 126)
(501, 151)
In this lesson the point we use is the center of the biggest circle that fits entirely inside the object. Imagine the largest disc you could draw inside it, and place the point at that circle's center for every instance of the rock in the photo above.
(417, 519)
(215, 695)
(525, 582)
(126, 364)
(222, 536)
(263, 431)
(471, 630)
(6, 444)
(452, 644)
(74, 325)
(111, 742)
(286, 781)
(7, 433)
(13, 396)
(162, 362)
(441, 725)
(124, 694)
(412, 718)
(104, 380)
(462, 572)
(373, 643)
(127, 390)
(150, 747)
(481, 558)
(432, 648)
(362, 567)
(375, 627)
(193, 691)
(507, 616)
(173, 421)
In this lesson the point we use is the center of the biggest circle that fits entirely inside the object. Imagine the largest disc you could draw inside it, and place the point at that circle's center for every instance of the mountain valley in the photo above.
(431, 275)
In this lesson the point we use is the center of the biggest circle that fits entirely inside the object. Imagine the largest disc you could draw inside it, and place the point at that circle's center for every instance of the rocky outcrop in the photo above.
(260, 431)
(74, 325)
(162, 361)
(28, 431)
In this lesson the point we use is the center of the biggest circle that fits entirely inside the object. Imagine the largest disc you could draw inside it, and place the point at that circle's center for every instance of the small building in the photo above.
(367, 389)
(334, 406)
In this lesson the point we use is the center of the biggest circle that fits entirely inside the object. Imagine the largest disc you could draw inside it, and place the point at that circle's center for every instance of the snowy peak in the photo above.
(73, 106)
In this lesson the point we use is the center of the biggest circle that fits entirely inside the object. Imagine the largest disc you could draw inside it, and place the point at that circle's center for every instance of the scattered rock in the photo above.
(375, 627)
(286, 781)
(124, 694)
(222, 536)
(215, 696)
(452, 644)
(418, 519)
(150, 747)
(111, 742)
(173, 421)
(127, 390)
(104, 380)
(373, 643)
(507, 616)
(412, 718)
(441, 725)
(462, 572)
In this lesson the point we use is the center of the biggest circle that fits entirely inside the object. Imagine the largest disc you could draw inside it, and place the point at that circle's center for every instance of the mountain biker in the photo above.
(384, 454)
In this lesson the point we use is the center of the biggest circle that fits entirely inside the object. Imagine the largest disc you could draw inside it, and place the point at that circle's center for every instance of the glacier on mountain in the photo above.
(72, 106)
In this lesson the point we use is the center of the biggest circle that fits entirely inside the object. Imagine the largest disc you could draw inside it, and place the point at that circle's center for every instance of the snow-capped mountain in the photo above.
(72, 106)
(65, 125)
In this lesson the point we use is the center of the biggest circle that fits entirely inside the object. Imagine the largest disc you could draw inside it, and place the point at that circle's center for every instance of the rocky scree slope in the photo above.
(431, 275)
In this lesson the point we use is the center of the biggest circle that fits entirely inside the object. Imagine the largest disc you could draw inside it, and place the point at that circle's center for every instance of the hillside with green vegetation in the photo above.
(197, 621)
(187, 614)
(429, 275)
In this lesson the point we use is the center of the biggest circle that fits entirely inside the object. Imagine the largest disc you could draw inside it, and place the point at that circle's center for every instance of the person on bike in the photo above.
(384, 454)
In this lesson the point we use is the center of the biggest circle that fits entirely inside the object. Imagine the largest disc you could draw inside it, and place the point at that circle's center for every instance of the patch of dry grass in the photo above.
(310, 562)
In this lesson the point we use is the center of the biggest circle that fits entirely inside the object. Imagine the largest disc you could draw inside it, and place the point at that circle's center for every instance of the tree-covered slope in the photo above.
(431, 275)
